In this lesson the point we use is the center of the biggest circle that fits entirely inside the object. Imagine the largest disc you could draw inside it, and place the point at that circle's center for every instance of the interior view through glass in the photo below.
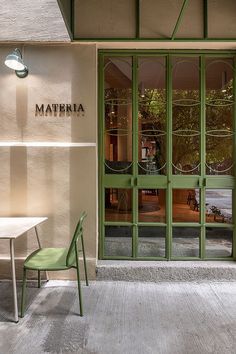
(167, 169)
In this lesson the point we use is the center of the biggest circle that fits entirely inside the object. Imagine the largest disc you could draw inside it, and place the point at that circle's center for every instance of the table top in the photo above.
(13, 227)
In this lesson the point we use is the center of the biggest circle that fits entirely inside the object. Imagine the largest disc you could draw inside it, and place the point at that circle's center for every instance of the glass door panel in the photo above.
(151, 241)
(185, 242)
(219, 242)
(118, 115)
(219, 116)
(118, 204)
(152, 115)
(152, 205)
(186, 205)
(118, 241)
(186, 116)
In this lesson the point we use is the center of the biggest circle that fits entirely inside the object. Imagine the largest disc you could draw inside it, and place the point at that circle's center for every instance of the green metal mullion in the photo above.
(169, 157)
(203, 155)
(135, 152)
(185, 2)
(101, 170)
(234, 159)
(185, 224)
(137, 19)
(205, 19)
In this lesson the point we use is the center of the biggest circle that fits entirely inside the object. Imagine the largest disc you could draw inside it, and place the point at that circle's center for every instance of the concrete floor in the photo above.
(122, 318)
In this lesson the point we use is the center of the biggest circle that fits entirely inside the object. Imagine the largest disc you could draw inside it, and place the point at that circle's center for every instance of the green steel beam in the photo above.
(141, 39)
(66, 11)
(185, 2)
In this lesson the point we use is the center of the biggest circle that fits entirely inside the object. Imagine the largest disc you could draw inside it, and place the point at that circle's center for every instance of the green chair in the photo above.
(52, 259)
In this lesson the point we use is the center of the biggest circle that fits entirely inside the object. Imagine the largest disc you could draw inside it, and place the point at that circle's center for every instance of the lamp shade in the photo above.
(14, 60)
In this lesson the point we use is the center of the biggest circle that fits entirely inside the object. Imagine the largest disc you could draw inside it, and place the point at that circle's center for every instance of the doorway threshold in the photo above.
(160, 271)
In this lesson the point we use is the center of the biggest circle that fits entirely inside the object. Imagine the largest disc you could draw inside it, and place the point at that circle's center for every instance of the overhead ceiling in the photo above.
(32, 20)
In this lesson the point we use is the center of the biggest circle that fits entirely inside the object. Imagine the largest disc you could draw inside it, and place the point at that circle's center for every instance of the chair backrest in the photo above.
(71, 256)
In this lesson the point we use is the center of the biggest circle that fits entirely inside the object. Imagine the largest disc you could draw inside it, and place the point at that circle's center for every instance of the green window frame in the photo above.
(169, 182)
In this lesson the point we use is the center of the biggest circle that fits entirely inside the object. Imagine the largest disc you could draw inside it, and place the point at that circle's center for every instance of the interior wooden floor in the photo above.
(153, 211)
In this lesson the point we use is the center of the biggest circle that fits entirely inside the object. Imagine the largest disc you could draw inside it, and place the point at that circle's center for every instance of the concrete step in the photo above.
(159, 271)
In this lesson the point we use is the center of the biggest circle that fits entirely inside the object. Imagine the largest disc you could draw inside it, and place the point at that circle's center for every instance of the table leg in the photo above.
(39, 243)
(14, 280)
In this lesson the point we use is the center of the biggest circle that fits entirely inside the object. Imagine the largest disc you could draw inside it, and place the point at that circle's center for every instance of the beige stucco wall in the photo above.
(58, 182)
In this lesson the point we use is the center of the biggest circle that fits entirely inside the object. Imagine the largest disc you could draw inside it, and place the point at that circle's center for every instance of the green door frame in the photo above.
(169, 181)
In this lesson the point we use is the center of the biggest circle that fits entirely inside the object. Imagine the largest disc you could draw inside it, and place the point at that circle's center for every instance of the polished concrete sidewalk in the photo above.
(122, 318)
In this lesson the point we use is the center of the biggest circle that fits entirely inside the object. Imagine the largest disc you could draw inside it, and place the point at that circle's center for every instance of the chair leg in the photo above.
(84, 259)
(39, 279)
(78, 281)
(23, 294)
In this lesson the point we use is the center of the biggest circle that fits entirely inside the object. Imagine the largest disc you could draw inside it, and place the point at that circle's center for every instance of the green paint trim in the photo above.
(185, 2)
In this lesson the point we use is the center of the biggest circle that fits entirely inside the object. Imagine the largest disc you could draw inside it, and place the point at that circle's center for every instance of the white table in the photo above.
(11, 228)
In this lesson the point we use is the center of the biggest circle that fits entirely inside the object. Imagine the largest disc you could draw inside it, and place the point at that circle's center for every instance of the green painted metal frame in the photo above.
(138, 38)
(172, 180)
(185, 3)
(69, 22)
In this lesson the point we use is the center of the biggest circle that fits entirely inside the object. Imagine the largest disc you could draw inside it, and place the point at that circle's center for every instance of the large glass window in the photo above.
(167, 135)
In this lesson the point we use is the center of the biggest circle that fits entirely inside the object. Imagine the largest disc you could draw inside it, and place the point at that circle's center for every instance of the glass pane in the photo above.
(218, 242)
(186, 116)
(152, 116)
(118, 204)
(118, 115)
(186, 205)
(152, 205)
(219, 116)
(118, 241)
(151, 241)
(219, 206)
(185, 242)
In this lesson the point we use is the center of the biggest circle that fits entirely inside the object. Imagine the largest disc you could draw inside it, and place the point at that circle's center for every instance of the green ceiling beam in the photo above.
(179, 19)
(66, 7)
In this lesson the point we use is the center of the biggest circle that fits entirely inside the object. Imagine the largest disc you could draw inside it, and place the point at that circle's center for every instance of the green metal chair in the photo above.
(52, 259)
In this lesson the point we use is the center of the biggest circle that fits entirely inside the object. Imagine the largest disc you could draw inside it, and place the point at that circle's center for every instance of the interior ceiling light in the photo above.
(14, 61)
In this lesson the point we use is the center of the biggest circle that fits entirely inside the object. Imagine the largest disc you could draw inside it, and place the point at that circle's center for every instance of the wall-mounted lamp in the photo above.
(14, 61)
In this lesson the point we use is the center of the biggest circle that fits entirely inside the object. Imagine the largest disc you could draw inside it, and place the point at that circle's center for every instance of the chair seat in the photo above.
(47, 259)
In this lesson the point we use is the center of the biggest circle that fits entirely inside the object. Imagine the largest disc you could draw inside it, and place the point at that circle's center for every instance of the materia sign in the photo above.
(60, 109)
